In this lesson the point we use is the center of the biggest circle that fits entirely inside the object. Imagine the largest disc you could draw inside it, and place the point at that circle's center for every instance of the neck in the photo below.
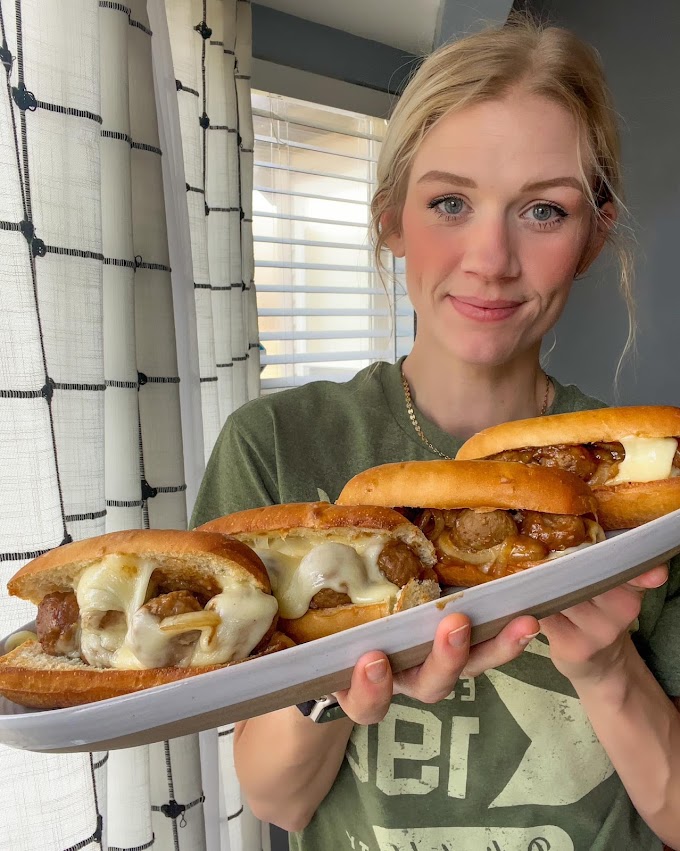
(463, 399)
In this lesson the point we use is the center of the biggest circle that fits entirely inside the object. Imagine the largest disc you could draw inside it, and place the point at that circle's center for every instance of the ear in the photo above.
(604, 222)
(395, 240)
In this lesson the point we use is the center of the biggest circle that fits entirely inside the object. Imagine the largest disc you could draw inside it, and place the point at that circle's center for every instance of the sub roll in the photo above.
(486, 519)
(628, 456)
(334, 567)
(129, 610)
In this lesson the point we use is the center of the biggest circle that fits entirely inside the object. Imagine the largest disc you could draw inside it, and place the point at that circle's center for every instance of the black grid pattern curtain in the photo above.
(90, 403)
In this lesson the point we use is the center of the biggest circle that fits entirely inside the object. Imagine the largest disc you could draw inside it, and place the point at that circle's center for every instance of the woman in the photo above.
(498, 183)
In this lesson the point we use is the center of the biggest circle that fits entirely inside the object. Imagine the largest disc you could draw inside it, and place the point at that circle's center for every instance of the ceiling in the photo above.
(406, 24)
(415, 26)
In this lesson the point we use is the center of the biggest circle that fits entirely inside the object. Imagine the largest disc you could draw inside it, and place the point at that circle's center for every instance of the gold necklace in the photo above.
(421, 434)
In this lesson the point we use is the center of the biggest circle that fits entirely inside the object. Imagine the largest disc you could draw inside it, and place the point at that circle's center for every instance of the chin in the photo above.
(485, 349)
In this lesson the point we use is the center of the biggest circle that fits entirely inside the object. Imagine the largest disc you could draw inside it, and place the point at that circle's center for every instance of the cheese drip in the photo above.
(647, 459)
(115, 584)
(138, 641)
(299, 568)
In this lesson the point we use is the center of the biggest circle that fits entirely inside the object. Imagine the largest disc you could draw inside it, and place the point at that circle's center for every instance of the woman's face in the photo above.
(494, 227)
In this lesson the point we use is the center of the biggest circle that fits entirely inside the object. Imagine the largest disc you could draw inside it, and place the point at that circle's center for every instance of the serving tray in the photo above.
(311, 670)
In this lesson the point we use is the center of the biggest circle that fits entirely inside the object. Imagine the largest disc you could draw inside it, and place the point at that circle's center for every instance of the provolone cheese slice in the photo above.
(647, 459)
(299, 568)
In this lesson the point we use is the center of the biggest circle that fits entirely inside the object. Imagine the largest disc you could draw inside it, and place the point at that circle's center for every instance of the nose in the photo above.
(490, 253)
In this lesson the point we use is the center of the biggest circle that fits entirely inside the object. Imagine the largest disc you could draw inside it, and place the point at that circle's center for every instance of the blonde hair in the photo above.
(541, 60)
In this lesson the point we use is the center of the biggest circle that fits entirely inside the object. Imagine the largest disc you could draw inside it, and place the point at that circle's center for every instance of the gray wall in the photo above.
(640, 47)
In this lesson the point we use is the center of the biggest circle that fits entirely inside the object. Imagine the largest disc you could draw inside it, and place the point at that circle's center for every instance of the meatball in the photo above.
(519, 550)
(57, 623)
(555, 531)
(574, 459)
(203, 588)
(523, 456)
(327, 598)
(173, 603)
(399, 564)
(479, 530)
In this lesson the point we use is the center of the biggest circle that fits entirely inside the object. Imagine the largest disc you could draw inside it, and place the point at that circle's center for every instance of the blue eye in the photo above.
(542, 212)
(545, 213)
(452, 206)
(449, 207)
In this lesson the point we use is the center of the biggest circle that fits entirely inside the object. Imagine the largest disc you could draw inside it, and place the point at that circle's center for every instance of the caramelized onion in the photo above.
(480, 557)
(432, 523)
(190, 620)
(604, 472)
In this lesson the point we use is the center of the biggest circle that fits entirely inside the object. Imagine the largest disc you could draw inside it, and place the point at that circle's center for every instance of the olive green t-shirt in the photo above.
(508, 761)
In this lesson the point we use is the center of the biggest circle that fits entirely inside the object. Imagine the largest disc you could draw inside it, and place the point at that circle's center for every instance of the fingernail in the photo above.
(376, 671)
(459, 637)
(527, 639)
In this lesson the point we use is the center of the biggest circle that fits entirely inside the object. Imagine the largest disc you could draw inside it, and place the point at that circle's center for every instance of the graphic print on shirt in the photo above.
(540, 838)
(421, 750)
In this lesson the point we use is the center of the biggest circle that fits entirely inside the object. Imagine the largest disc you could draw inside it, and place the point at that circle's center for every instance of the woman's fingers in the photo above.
(368, 698)
(653, 578)
(506, 646)
(435, 678)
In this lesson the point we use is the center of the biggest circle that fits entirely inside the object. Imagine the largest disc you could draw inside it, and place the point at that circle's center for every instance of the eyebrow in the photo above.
(459, 180)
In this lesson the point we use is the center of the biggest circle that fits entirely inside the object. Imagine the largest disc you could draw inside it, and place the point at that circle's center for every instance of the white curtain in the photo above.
(128, 332)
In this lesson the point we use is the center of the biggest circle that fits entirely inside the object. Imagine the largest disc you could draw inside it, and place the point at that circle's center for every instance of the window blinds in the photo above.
(323, 311)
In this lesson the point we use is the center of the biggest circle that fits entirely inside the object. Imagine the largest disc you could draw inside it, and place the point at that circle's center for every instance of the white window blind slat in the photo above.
(321, 311)
(271, 140)
(313, 335)
(319, 267)
(288, 217)
(315, 125)
(286, 288)
(312, 243)
(287, 193)
(324, 174)
(327, 357)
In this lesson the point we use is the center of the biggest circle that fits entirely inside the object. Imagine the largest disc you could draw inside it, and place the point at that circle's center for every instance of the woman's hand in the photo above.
(368, 698)
(588, 641)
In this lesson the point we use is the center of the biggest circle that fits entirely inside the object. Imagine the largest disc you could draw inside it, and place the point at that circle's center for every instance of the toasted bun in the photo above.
(316, 519)
(199, 556)
(318, 623)
(470, 484)
(631, 504)
(306, 515)
(30, 677)
(604, 425)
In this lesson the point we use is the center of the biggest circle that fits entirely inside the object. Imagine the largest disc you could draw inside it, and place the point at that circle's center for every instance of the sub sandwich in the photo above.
(129, 610)
(334, 567)
(486, 519)
(629, 456)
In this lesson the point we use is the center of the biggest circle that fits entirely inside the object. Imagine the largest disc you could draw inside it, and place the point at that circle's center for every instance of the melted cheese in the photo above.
(300, 567)
(138, 640)
(647, 459)
(115, 584)
(246, 613)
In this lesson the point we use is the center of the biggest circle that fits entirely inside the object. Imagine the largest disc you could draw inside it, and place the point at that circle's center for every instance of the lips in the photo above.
(484, 310)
